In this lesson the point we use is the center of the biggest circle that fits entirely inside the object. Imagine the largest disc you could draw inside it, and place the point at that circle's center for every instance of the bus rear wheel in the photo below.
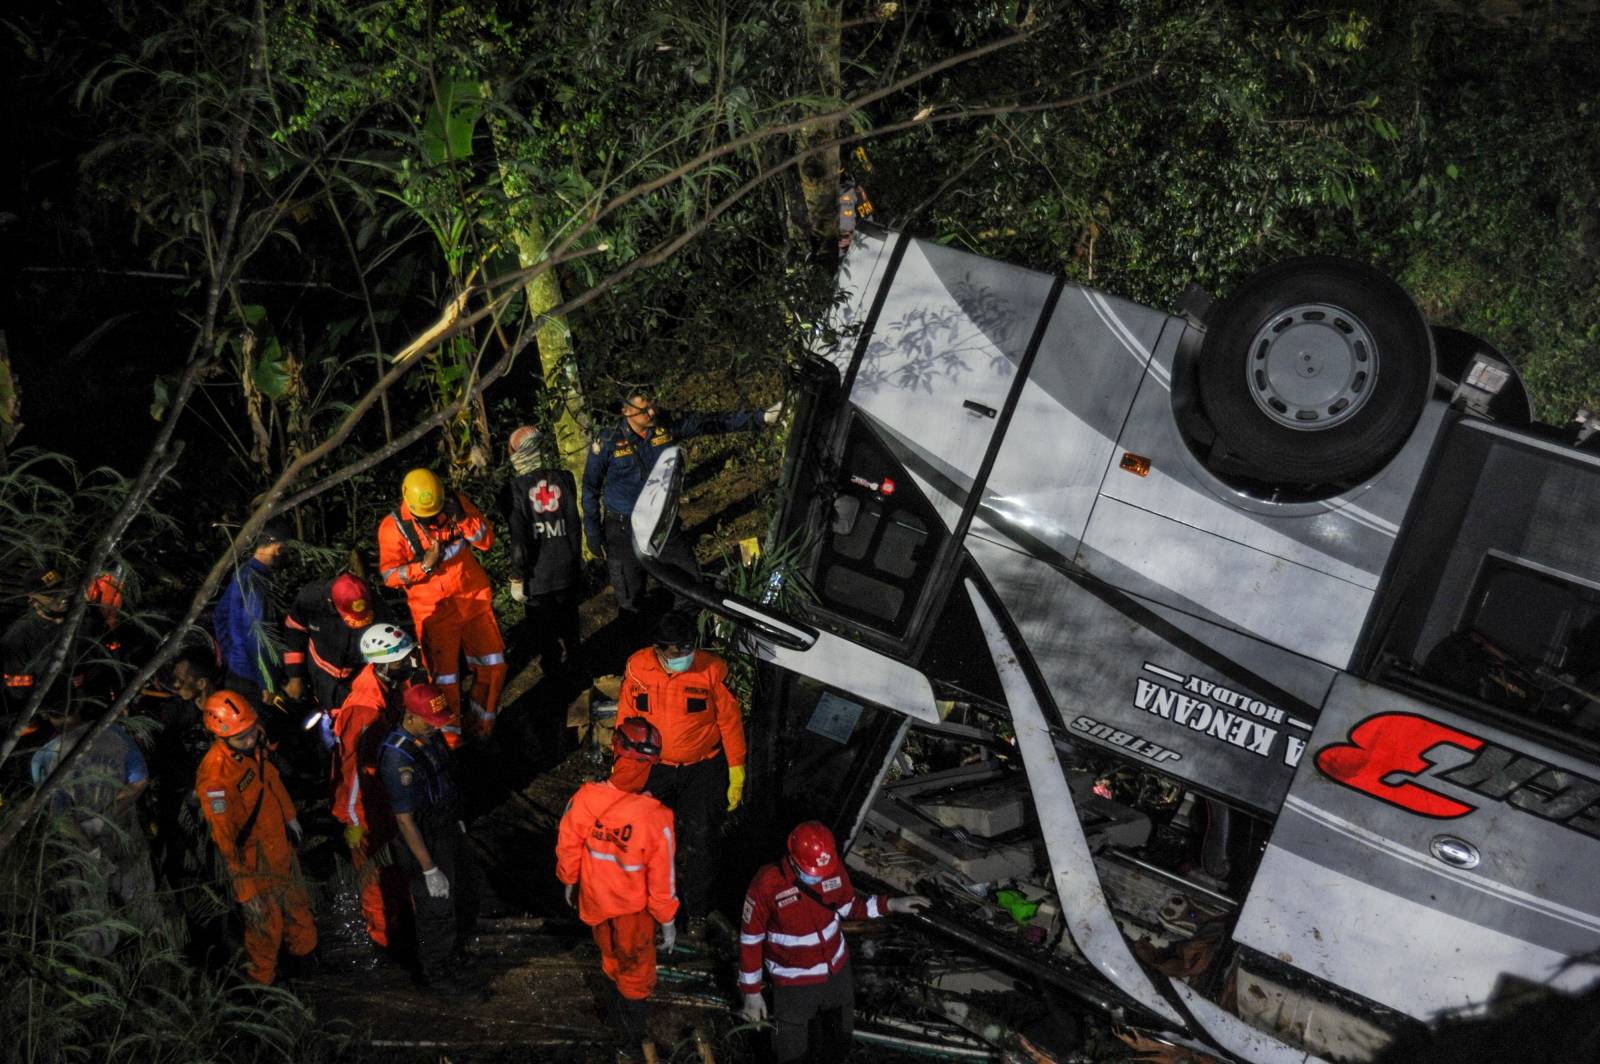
(1315, 371)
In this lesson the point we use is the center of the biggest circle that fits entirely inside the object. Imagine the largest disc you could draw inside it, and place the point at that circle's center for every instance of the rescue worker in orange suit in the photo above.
(370, 712)
(254, 826)
(614, 852)
(792, 931)
(423, 548)
(684, 692)
(418, 776)
(322, 639)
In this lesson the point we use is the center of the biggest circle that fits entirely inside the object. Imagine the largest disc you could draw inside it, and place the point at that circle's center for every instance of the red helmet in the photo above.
(812, 849)
(637, 740)
(228, 714)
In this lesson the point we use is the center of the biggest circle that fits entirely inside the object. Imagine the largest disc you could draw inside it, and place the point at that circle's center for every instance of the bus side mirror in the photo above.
(656, 511)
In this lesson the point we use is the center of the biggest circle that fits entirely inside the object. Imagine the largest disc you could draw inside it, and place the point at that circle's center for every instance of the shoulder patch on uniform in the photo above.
(406, 776)
(833, 883)
(792, 892)
(749, 909)
(219, 805)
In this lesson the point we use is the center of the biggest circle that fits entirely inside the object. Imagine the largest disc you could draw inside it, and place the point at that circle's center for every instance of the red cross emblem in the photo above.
(546, 497)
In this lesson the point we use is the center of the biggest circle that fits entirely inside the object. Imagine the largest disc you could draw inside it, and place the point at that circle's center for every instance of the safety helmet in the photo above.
(521, 436)
(427, 700)
(812, 849)
(637, 740)
(423, 493)
(352, 600)
(228, 714)
(383, 643)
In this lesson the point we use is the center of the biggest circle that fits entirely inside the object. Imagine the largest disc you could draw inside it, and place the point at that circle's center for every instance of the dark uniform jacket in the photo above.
(620, 459)
(546, 539)
(318, 642)
(418, 778)
(25, 654)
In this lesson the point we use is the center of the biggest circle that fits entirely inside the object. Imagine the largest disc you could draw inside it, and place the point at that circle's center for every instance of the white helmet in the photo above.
(384, 643)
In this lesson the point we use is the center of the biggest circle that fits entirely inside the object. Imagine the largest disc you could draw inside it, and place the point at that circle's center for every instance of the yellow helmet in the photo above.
(423, 493)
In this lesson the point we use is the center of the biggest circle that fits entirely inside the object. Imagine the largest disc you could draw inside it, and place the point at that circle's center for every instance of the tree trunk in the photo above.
(543, 292)
(819, 173)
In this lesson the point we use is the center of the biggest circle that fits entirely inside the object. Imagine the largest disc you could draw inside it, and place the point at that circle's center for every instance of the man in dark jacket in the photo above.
(246, 618)
(546, 549)
(28, 641)
(620, 460)
(322, 639)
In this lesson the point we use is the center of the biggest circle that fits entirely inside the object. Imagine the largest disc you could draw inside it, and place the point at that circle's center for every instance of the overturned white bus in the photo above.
(1269, 625)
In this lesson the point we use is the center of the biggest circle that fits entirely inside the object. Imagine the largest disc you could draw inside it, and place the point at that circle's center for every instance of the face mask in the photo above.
(680, 664)
(809, 881)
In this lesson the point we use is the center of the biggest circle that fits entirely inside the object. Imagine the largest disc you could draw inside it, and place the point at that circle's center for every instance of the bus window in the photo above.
(879, 551)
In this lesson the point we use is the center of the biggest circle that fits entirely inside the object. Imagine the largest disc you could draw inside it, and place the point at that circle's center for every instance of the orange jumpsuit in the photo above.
(618, 848)
(452, 607)
(359, 799)
(694, 710)
(243, 800)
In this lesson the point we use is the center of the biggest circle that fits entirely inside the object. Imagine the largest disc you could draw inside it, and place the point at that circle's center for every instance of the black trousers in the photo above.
(697, 794)
(628, 575)
(629, 1019)
(814, 1022)
(442, 923)
(550, 626)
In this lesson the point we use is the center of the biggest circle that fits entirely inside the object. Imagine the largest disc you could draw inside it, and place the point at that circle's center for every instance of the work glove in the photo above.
(770, 415)
(438, 886)
(669, 936)
(517, 594)
(571, 894)
(297, 834)
(911, 903)
(755, 1008)
(354, 835)
(295, 688)
(596, 542)
(735, 786)
(452, 507)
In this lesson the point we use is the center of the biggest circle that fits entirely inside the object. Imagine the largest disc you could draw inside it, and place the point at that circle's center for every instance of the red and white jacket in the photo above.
(798, 940)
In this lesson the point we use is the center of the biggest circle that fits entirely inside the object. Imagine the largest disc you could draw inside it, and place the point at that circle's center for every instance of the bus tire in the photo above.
(1315, 371)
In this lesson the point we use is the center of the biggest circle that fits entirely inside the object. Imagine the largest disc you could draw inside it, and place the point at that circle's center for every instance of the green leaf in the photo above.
(453, 121)
(1451, 172)
(271, 374)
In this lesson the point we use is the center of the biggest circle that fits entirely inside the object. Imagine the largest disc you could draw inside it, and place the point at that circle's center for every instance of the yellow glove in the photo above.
(735, 786)
(353, 836)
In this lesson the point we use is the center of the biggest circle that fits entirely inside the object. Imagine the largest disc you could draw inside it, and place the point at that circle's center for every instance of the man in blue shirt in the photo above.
(620, 460)
(419, 776)
(96, 804)
(246, 618)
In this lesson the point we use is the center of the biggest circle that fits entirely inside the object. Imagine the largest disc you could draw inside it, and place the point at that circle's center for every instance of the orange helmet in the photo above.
(228, 714)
